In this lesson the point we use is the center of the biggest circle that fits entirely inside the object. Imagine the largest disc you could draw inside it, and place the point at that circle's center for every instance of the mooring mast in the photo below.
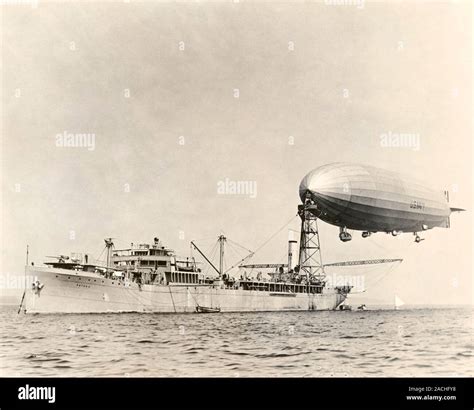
(310, 261)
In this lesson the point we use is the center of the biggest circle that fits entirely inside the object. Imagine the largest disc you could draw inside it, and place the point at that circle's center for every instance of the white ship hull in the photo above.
(69, 291)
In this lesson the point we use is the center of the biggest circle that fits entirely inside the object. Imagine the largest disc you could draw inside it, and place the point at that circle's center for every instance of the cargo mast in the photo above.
(221, 239)
(109, 245)
(310, 261)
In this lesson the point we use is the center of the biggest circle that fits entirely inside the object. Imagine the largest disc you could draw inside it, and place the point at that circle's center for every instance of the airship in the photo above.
(370, 199)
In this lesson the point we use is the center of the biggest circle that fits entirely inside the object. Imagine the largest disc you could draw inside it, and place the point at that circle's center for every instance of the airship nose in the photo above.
(310, 185)
(323, 182)
(304, 188)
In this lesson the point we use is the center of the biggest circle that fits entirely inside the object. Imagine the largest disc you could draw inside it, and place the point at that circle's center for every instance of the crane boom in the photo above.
(264, 265)
(205, 257)
(363, 262)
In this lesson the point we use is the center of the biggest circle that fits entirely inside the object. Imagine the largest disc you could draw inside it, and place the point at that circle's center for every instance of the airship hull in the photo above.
(370, 199)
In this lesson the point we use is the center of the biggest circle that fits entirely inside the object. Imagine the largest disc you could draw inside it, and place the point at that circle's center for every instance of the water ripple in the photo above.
(415, 342)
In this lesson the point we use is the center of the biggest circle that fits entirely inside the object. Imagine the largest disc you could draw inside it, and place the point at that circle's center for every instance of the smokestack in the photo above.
(291, 254)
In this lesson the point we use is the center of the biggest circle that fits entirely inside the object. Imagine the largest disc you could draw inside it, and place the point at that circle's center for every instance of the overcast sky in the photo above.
(182, 96)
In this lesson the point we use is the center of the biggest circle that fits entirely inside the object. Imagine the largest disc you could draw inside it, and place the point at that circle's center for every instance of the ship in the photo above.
(151, 278)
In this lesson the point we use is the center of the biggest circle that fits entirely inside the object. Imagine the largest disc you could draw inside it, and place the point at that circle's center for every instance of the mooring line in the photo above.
(21, 303)
(172, 300)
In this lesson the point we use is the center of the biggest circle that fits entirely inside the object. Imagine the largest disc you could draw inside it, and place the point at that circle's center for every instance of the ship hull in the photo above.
(65, 291)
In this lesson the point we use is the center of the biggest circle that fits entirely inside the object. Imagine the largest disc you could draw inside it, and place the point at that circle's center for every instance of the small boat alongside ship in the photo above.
(205, 309)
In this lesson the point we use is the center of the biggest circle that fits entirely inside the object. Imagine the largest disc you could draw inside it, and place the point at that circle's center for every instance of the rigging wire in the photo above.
(252, 253)
(378, 277)
(393, 265)
(98, 259)
(239, 255)
(384, 275)
(212, 255)
(275, 234)
(240, 246)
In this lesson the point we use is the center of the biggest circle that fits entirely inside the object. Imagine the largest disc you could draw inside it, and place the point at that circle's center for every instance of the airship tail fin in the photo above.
(446, 194)
(448, 219)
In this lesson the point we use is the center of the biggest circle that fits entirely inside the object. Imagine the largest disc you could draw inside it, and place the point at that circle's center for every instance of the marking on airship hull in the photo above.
(417, 205)
(375, 218)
